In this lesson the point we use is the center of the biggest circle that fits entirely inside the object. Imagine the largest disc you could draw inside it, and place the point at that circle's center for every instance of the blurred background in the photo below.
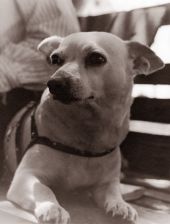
(11, 23)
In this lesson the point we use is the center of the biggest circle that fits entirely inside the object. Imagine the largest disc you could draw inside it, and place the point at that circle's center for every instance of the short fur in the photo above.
(96, 118)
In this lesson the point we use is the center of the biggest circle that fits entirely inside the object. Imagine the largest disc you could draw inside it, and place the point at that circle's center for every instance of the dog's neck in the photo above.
(93, 125)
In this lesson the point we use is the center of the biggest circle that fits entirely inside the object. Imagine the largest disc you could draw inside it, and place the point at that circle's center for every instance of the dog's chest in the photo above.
(83, 173)
(76, 171)
(84, 130)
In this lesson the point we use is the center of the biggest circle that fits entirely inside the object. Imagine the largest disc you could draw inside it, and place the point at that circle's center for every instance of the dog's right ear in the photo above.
(144, 60)
(49, 44)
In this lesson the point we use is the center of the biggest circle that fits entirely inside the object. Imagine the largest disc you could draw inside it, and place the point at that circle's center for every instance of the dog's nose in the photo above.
(57, 86)
(54, 85)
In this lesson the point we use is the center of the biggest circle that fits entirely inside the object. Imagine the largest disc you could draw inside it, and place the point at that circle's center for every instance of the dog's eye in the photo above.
(95, 59)
(55, 59)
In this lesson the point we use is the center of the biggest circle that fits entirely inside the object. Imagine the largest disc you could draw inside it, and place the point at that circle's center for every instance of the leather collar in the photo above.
(43, 140)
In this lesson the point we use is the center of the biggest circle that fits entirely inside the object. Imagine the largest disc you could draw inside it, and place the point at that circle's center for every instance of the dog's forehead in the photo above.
(87, 41)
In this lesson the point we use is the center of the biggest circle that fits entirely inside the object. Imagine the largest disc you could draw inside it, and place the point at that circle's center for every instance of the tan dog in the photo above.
(85, 113)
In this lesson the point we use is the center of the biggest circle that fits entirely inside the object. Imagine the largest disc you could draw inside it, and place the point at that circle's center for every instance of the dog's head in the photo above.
(95, 65)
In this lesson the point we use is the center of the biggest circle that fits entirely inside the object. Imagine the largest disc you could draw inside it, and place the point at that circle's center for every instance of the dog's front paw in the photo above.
(48, 212)
(121, 208)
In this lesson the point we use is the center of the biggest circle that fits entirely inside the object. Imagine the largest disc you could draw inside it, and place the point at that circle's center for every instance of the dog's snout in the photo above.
(61, 90)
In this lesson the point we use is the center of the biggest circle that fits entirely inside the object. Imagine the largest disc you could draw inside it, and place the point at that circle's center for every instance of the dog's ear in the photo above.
(144, 60)
(49, 44)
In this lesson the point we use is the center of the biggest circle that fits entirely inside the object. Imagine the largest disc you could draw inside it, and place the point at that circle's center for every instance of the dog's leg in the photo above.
(30, 192)
(108, 196)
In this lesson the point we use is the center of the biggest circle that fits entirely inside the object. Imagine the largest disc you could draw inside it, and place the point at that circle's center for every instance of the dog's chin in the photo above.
(71, 100)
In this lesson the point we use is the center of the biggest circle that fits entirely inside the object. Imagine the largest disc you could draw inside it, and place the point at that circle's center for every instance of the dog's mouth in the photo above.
(69, 99)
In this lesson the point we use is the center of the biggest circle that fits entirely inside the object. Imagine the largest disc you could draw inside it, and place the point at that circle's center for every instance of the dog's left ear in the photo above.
(144, 60)
(49, 44)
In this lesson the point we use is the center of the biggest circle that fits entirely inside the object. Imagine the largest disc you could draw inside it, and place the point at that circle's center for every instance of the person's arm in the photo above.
(21, 65)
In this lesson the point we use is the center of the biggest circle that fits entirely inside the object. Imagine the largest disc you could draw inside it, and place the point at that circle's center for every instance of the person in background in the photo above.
(21, 65)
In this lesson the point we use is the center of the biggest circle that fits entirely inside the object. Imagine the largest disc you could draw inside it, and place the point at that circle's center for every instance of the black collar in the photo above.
(37, 139)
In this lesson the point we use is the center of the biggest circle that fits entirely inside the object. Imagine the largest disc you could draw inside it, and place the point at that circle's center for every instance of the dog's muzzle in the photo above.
(67, 91)
(62, 90)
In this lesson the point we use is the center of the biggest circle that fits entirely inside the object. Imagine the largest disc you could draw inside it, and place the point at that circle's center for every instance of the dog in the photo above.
(71, 139)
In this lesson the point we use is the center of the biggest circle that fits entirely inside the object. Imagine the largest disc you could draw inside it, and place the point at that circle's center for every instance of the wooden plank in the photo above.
(156, 110)
(159, 77)
(131, 192)
(157, 195)
(149, 182)
(154, 204)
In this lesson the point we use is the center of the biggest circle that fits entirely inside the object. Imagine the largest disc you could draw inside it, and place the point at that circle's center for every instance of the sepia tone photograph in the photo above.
(85, 111)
